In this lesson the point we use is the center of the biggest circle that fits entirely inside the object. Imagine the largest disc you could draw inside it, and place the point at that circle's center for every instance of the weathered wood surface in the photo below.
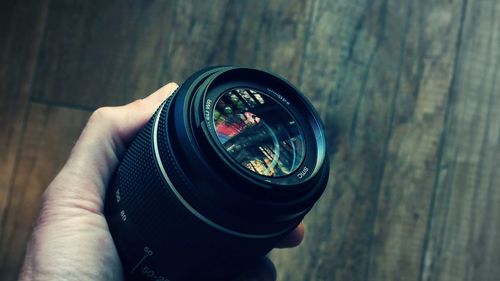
(407, 90)
(21, 28)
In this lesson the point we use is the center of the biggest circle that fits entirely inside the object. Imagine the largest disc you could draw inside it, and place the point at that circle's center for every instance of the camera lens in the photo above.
(225, 168)
(258, 132)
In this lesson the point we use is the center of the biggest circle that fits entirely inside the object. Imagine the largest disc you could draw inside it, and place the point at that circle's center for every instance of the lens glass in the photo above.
(258, 132)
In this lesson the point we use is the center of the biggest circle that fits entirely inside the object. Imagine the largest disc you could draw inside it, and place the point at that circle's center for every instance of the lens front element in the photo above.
(258, 132)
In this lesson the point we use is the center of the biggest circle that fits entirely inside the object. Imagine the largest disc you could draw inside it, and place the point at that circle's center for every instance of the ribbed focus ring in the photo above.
(138, 180)
(139, 205)
(164, 147)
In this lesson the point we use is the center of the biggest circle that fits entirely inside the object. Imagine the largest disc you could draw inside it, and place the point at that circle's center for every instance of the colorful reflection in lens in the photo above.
(258, 132)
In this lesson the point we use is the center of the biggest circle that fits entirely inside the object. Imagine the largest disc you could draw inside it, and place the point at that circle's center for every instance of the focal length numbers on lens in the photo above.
(118, 196)
(146, 270)
(123, 215)
(147, 253)
(151, 274)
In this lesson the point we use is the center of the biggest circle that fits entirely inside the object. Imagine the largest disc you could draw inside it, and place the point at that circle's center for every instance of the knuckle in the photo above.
(138, 104)
(101, 114)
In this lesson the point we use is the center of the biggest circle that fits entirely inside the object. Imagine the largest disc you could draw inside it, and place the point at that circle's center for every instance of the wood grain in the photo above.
(21, 28)
(464, 229)
(384, 114)
(49, 136)
(89, 58)
(407, 90)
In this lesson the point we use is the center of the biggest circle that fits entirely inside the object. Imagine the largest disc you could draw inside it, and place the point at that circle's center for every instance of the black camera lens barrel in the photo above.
(225, 168)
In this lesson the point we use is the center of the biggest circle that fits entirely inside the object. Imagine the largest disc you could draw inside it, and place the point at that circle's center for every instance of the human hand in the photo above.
(71, 239)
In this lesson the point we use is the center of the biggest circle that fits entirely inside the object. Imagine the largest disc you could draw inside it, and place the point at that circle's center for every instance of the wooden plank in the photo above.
(21, 26)
(98, 53)
(49, 136)
(464, 232)
(407, 186)
(390, 65)
(407, 91)
(264, 34)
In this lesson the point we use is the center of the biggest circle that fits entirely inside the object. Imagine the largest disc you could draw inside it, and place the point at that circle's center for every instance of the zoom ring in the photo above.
(140, 206)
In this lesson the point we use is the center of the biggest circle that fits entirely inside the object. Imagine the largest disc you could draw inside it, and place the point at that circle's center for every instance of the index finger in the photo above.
(293, 239)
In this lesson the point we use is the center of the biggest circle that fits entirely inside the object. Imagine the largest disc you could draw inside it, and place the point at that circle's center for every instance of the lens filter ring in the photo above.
(292, 157)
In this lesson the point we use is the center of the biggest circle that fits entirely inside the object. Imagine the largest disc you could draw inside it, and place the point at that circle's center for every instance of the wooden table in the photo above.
(408, 90)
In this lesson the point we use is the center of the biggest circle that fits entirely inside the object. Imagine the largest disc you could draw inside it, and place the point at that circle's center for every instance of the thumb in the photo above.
(102, 144)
